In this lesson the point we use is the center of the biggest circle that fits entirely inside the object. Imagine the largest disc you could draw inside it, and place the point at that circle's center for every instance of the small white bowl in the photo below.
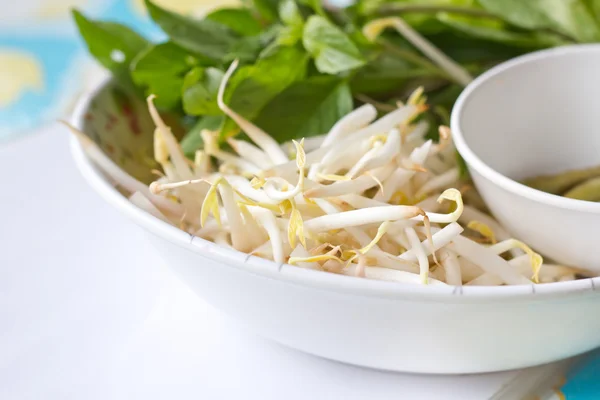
(384, 325)
(536, 114)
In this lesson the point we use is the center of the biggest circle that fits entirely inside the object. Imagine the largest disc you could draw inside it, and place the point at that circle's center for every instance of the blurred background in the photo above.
(44, 65)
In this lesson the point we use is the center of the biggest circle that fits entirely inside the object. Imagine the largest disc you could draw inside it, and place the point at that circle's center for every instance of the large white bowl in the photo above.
(384, 325)
(534, 115)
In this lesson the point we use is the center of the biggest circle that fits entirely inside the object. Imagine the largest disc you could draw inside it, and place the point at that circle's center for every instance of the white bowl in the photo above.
(384, 325)
(534, 115)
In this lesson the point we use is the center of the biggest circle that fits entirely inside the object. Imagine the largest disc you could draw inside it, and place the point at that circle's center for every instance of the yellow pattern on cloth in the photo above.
(19, 72)
(58, 9)
(191, 7)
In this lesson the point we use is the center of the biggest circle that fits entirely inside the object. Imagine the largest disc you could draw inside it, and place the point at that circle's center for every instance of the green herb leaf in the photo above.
(469, 49)
(463, 170)
(266, 8)
(249, 48)
(159, 60)
(595, 8)
(205, 37)
(113, 45)
(246, 50)
(289, 13)
(387, 73)
(167, 92)
(316, 5)
(200, 89)
(574, 18)
(290, 35)
(526, 14)
(239, 20)
(331, 48)
(192, 141)
(497, 31)
(160, 69)
(307, 108)
(291, 16)
(252, 87)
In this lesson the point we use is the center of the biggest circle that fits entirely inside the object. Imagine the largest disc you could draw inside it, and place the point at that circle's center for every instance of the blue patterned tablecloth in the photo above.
(43, 63)
(583, 380)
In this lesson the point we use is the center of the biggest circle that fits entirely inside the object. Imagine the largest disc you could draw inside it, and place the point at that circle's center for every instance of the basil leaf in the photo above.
(332, 50)
(316, 5)
(497, 31)
(167, 92)
(385, 74)
(159, 60)
(192, 141)
(574, 18)
(595, 7)
(239, 20)
(252, 87)
(200, 89)
(463, 170)
(246, 50)
(307, 108)
(526, 14)
(266, 8)
(113, 45)
(205, 37)
(249, 48)
(160, 68)
(468, 49)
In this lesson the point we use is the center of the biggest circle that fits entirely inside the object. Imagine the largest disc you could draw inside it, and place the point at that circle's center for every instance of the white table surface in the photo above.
(87, 311)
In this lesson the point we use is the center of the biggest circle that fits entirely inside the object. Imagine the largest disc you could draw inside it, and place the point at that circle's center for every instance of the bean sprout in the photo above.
(361, 202)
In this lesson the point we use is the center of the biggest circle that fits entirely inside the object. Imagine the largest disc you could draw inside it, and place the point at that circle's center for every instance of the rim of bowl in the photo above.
(488, 172)
(295, 275)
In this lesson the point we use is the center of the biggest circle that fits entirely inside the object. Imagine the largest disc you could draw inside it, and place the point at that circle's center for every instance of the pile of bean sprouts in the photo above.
(372, 198)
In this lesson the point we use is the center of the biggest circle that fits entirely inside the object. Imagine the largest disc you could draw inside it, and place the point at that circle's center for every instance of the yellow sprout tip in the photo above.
(380, 232)
(300, 154)
(483, 230)
(450, 194)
